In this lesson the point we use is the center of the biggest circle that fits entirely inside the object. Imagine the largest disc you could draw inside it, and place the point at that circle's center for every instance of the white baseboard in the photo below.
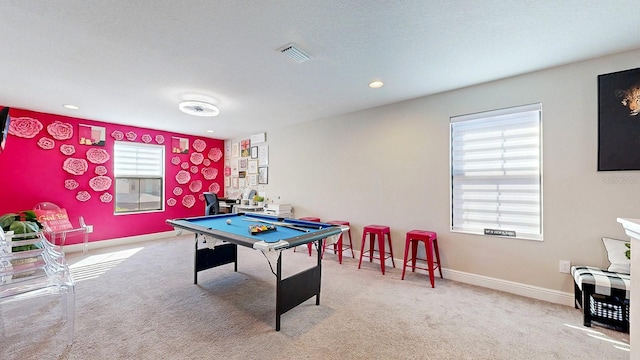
(530, 291)
(119, 241)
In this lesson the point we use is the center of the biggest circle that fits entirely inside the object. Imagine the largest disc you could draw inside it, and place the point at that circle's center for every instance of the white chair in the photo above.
(40, 271)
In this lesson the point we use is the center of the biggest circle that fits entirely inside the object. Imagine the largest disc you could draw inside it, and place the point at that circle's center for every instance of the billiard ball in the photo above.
(229, 222)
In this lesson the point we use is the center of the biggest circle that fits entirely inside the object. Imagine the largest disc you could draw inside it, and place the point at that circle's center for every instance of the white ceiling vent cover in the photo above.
(294, 53)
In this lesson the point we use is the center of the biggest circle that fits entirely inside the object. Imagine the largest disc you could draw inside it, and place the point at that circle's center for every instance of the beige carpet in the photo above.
(139, 302)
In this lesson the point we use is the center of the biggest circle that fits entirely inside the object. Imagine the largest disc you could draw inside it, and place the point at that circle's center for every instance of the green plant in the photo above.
(628, 252)
(24, 222)
(258, 198)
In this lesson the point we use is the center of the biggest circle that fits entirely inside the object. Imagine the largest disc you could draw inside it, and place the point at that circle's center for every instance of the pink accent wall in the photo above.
(37, 166)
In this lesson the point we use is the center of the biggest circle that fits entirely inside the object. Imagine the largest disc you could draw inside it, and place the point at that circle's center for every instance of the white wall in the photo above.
(390, 165)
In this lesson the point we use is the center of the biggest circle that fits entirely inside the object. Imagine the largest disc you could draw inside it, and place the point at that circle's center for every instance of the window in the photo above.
(496, 172)
(139, 174)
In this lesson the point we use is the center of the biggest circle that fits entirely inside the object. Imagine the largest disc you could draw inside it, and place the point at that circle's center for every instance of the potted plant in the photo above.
(24, 222)
(259, 200)
(628, 252)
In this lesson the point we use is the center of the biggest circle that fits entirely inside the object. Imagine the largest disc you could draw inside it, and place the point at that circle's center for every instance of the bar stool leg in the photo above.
(381, 251)
(414, 254)
(350, 243)
(364, 240)
(435, 246)
(393, 262)
(406, 253)
(429, 248)
(372, 239)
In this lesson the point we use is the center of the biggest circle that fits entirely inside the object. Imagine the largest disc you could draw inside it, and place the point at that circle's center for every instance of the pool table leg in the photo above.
(195, 263)
(278, 296)
(319, 271)
(206, 258)
(297, 288)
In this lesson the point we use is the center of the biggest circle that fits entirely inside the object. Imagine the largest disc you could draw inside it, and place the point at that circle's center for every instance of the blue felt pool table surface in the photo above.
(238, 230)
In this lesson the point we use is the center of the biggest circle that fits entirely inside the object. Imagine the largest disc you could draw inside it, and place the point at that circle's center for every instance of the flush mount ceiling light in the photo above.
(70, 107)
(198, 108)
(376, 84)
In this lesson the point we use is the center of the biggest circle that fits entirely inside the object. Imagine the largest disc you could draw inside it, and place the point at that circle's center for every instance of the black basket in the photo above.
(610, 310)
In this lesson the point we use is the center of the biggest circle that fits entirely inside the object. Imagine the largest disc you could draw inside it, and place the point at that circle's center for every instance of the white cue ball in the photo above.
(229, 222)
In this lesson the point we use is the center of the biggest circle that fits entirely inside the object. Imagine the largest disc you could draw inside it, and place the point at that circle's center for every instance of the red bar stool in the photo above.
(308, 218)
(430, 240)
(380, 231)
(339, 246)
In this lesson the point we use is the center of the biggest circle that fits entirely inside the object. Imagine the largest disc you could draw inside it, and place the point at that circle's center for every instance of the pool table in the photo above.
(280, 234)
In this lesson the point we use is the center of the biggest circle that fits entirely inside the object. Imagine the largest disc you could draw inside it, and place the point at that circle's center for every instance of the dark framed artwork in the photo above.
(618, 121)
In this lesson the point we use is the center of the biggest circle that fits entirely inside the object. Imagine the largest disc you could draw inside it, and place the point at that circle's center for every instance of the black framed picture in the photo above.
(254, 152)
(618, 121)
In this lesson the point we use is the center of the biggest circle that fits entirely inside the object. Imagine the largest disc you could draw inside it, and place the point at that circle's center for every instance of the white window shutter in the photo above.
(496, 177)
(139, 160)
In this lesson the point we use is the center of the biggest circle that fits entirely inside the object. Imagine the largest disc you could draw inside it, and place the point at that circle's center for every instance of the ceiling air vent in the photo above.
(294, 53)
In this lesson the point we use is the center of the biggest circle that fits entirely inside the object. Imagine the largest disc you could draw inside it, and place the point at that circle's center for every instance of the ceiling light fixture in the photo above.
(376, 84)
(70, 107)
(198, 108)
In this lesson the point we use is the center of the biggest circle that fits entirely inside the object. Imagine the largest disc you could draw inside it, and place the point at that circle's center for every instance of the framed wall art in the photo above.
(245, 145)
(179, 145)
(263, 175)
(235, 149)
(253, 167)
(243, 164)
(91, 135)
(253, 180)
(263, 155)
(618, 121)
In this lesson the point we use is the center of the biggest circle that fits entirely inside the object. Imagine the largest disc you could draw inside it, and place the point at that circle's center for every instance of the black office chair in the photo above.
(212, 204)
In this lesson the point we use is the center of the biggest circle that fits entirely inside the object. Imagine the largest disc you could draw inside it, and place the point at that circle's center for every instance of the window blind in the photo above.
(496, 180)
(140, 160)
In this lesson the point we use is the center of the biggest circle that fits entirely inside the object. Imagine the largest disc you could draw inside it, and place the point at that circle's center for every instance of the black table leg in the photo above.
(207, 258)
(319, 251)
(298, 288)
(278, 296)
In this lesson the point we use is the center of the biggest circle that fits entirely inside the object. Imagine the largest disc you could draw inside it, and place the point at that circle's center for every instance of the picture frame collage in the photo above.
(247, 164)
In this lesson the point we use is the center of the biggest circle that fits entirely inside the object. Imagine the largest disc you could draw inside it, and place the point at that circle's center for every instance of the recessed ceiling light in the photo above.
(376, 84)
(198, 108)
(210, 131)
(70, 107)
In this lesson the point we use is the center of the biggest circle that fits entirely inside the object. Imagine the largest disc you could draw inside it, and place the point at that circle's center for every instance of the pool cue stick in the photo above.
(308, 226)
(276, 224)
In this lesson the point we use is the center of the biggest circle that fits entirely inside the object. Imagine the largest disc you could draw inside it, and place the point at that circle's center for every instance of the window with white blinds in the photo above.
(139, 175)
(138, 159)
(496, 172)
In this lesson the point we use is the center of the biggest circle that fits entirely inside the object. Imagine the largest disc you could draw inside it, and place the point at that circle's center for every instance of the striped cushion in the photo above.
(603, 280)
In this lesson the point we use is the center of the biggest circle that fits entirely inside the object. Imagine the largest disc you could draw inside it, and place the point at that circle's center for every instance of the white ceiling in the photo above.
(132, 62)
